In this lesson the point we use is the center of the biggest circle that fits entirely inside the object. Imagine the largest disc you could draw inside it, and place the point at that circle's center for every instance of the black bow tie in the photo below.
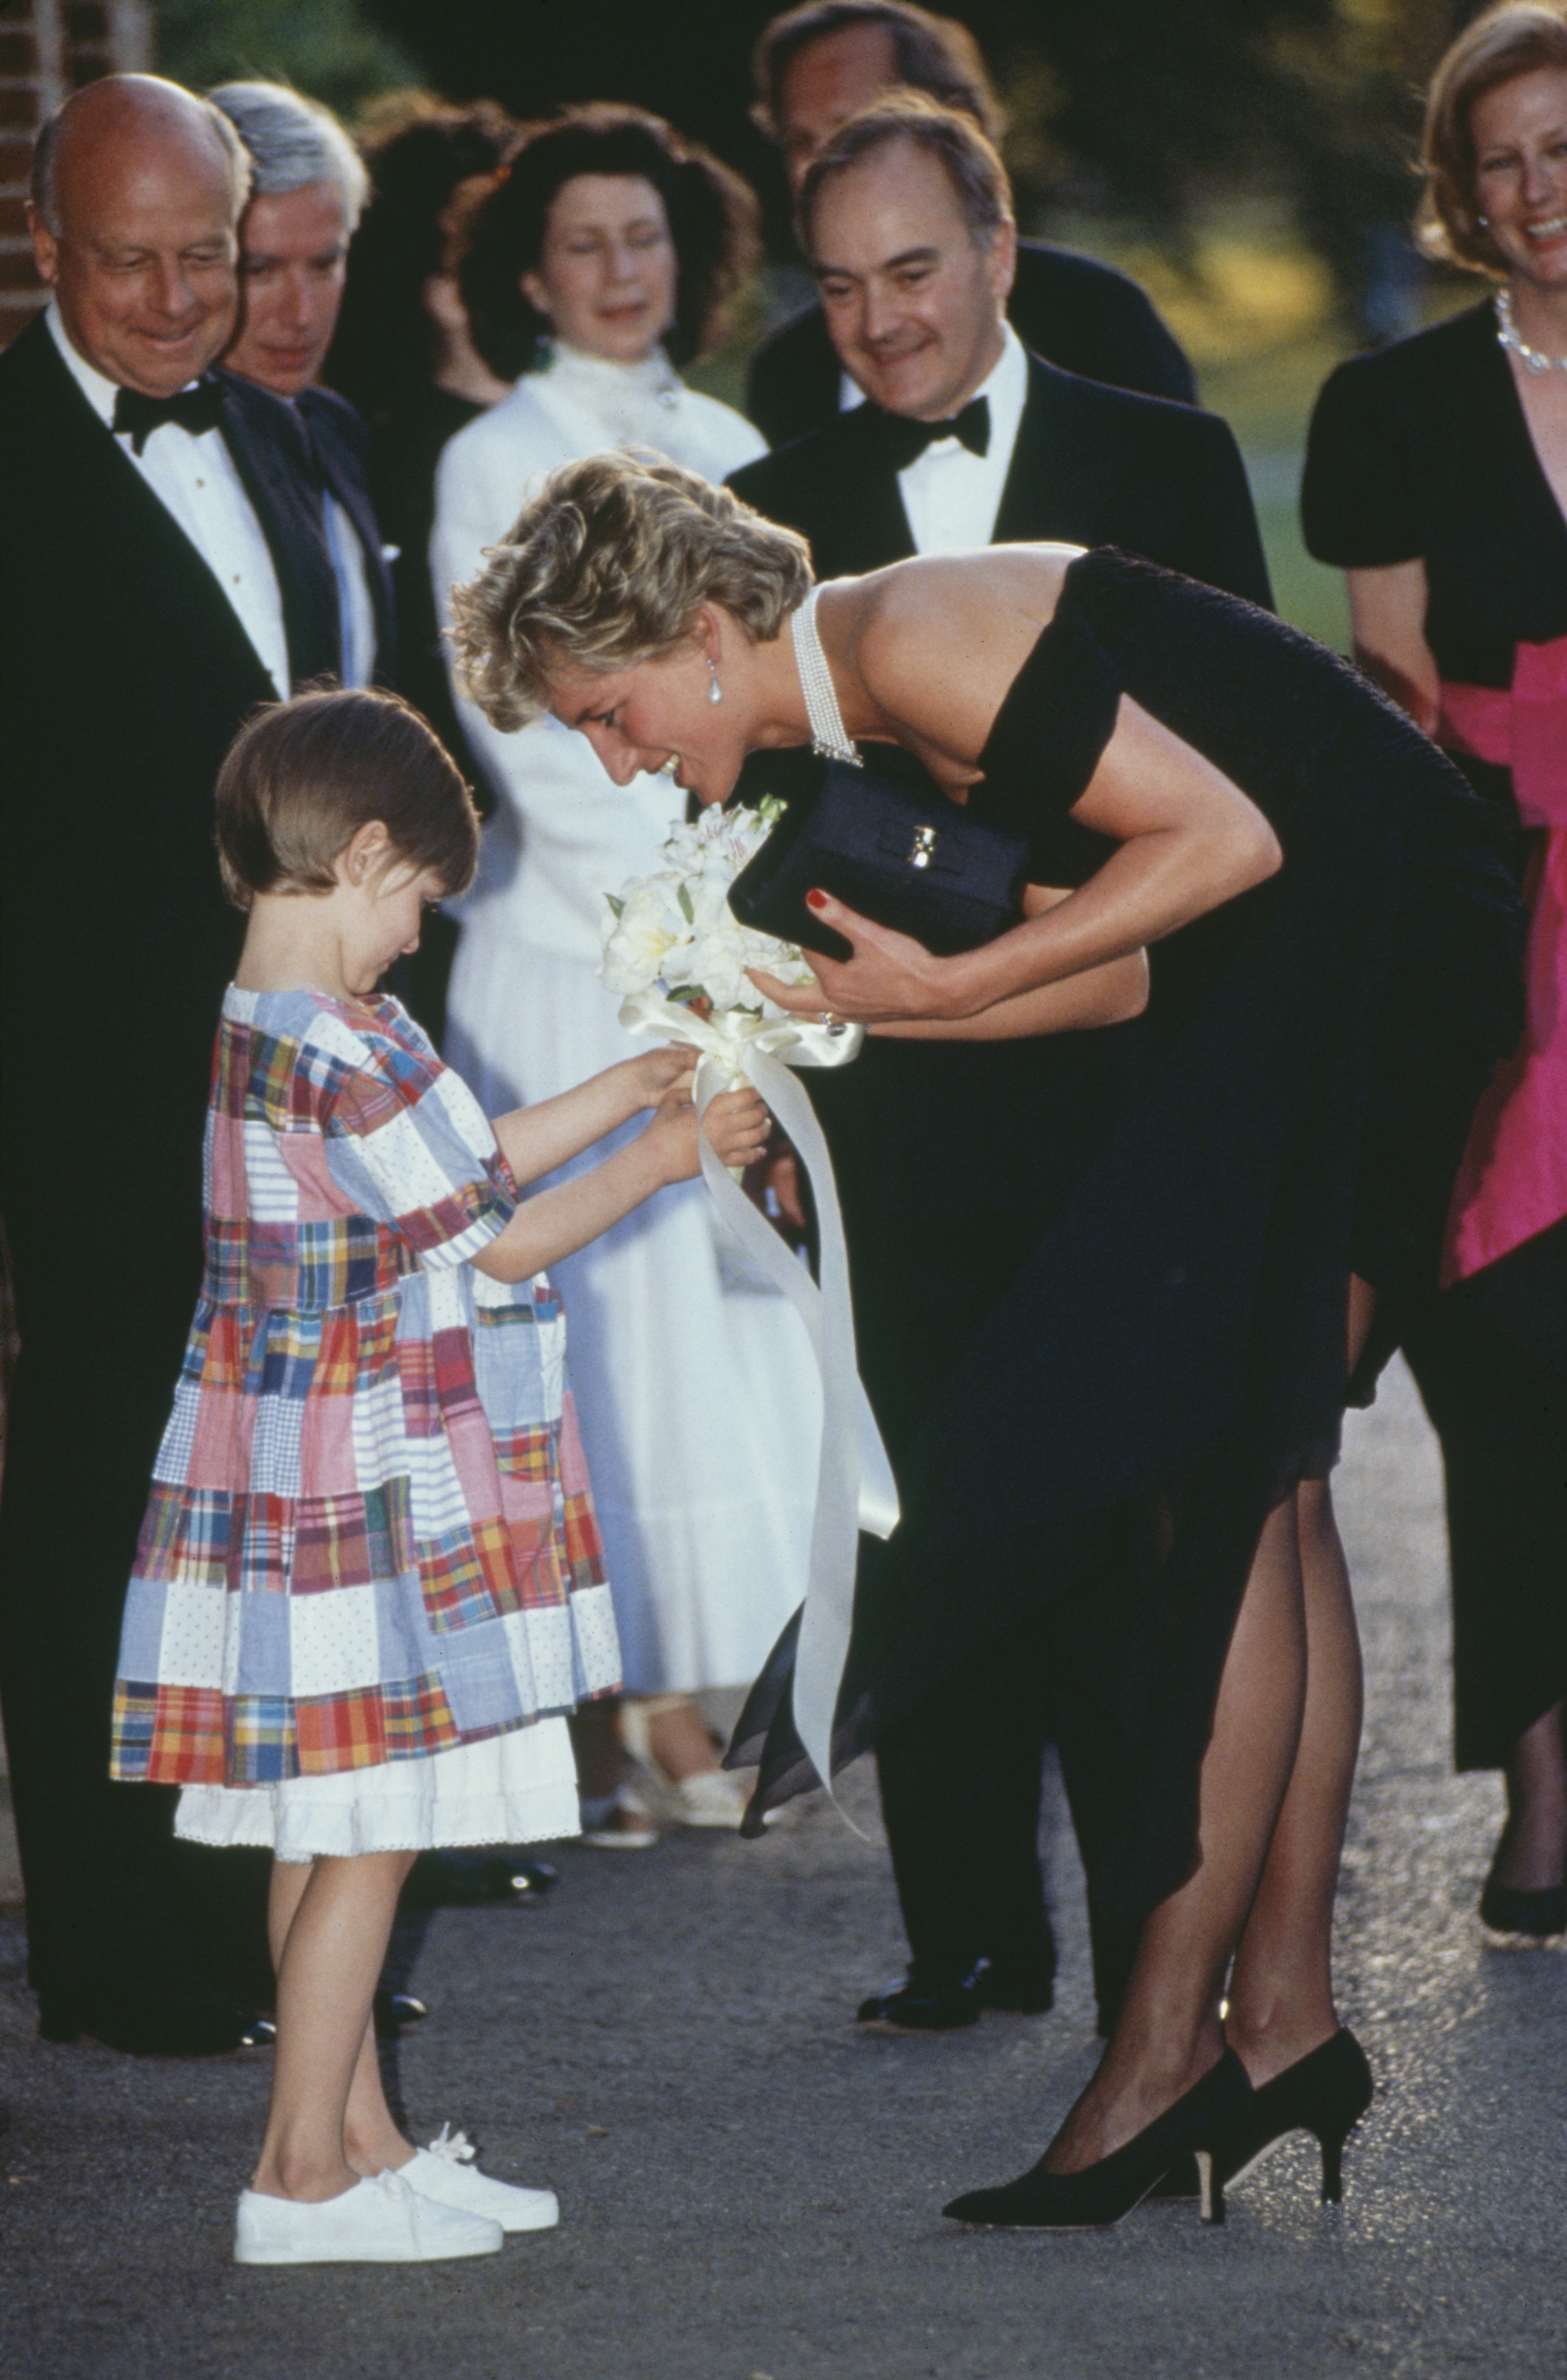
(195, 409)
(906, 440)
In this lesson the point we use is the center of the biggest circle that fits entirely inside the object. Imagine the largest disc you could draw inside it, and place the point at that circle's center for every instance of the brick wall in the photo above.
(49, 48)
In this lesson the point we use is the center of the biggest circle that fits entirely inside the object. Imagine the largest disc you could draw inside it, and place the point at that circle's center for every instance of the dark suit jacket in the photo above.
(341, 443)
(1085, 316)
(1093, 465)
(125, 674)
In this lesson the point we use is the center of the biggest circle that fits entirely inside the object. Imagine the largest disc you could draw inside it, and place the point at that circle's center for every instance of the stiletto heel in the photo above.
(1102, 2194)
(1325, 2092)
(1333, 2172)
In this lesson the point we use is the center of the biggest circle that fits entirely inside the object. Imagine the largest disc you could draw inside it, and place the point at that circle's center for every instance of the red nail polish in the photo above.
(816, 900)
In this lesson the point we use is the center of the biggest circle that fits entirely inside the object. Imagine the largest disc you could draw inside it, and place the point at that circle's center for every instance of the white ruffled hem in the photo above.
(516, 1788)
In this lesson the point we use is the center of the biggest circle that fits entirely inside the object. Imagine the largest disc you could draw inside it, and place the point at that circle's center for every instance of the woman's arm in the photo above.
(1387, 610)
(1189, 840)
(1103, 995)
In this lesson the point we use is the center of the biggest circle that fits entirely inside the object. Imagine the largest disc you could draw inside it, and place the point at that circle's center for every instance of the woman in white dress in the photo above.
(607, 249)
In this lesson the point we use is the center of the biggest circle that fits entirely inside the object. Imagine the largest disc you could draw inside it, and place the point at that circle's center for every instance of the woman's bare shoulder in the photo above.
(936, 642)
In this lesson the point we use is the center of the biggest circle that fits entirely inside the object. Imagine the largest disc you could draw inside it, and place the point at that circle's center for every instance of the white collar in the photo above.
(98, 389)
(654, 375)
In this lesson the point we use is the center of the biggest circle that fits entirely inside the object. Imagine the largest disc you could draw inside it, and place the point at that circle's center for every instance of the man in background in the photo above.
(308, 191)
(818, 65)
(165, 569)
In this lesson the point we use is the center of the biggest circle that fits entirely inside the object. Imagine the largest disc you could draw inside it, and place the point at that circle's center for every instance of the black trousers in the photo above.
(1490, 1358)
(118, 1912)
(960, 1796)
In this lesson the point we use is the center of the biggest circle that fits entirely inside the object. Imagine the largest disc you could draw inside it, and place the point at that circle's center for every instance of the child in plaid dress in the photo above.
(368, 1585)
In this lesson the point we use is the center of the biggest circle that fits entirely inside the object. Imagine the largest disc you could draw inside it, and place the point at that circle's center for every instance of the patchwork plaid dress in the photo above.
(369, 1559)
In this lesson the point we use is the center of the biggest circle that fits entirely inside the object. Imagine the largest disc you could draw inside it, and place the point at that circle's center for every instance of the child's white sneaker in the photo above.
(446, 2174)
(378, 2222)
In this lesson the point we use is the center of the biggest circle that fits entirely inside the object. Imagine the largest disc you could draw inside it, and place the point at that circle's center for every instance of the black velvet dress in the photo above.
(1169, 1357)
(1422, 451)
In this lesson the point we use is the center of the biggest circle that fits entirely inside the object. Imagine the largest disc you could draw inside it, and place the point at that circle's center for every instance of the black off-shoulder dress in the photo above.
(1169, 1356)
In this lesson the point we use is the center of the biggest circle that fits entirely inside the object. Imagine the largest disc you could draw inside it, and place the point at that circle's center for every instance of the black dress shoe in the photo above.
(475, 1879)
(920, 2005)
(1020, 1988)
(396, 2009)
(187, 2024)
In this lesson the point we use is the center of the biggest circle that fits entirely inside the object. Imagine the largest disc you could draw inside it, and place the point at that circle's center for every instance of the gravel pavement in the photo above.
(751, 2188)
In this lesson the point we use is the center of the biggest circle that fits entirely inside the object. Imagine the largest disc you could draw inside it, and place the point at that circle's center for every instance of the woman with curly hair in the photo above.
(1437, 478)
(601, 260)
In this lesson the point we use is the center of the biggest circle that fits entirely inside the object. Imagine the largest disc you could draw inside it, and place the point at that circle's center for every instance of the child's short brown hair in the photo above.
(301, 778)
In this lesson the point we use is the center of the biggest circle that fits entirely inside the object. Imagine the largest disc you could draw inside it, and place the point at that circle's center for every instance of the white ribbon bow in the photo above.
(854, 1487)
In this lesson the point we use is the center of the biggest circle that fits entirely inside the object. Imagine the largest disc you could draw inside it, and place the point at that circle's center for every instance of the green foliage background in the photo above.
(329, 48)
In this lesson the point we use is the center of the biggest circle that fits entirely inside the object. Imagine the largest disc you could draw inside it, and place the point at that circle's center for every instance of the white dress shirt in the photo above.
(195, 480)
(951, 496)
(356, 612)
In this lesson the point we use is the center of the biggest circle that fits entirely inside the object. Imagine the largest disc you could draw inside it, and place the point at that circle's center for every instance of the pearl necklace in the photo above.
(828, 735)
(1532, 359)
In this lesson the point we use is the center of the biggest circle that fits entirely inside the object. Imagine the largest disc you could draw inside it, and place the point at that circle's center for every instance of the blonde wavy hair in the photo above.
(1517, 37)
(608, 565)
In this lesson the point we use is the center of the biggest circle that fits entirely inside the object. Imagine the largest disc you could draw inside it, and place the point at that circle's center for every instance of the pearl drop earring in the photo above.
(715, 692)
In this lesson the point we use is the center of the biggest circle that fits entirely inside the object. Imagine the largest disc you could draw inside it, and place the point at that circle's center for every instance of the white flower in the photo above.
(641, 932)
(677, 928)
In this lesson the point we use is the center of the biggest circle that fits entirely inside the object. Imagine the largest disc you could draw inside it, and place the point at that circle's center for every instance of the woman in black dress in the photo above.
(1142, 1425)
(1437, 477)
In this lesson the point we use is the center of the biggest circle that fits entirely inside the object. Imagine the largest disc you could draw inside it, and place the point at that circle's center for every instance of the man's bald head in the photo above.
(136, 189)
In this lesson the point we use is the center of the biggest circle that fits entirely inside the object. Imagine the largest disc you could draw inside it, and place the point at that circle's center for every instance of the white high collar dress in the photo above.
(695, 1386)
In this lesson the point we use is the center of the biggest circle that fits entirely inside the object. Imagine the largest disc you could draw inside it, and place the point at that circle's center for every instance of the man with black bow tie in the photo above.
(950, 1158)
(165, 569)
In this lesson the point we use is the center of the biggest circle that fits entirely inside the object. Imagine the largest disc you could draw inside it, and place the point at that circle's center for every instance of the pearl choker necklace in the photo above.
(1532, 359)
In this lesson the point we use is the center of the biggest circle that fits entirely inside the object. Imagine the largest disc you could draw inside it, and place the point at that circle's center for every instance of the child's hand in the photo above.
(657, 1072)
(738, 1127)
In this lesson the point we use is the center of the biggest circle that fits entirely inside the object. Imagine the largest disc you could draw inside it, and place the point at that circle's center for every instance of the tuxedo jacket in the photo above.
(124, 676)
(1085, 316)
(340, 443)
(1093, 465)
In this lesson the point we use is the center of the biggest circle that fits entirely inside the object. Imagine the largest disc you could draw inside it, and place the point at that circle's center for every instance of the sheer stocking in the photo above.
(1281, 1990)
(1274, 1797)
(1532, 1857)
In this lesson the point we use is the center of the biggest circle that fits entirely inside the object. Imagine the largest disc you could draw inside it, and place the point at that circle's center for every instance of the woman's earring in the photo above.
(715, 692)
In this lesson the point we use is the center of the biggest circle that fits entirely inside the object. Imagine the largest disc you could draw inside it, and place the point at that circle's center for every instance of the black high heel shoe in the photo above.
(1539, 1912)
(1101, 2193)
(1326, 2093)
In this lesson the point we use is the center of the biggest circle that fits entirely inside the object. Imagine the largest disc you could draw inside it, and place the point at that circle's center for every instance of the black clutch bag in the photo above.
(910, 859)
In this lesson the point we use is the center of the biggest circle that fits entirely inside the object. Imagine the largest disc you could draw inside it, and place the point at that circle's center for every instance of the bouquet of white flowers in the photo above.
(674, 949)
(677, 928)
